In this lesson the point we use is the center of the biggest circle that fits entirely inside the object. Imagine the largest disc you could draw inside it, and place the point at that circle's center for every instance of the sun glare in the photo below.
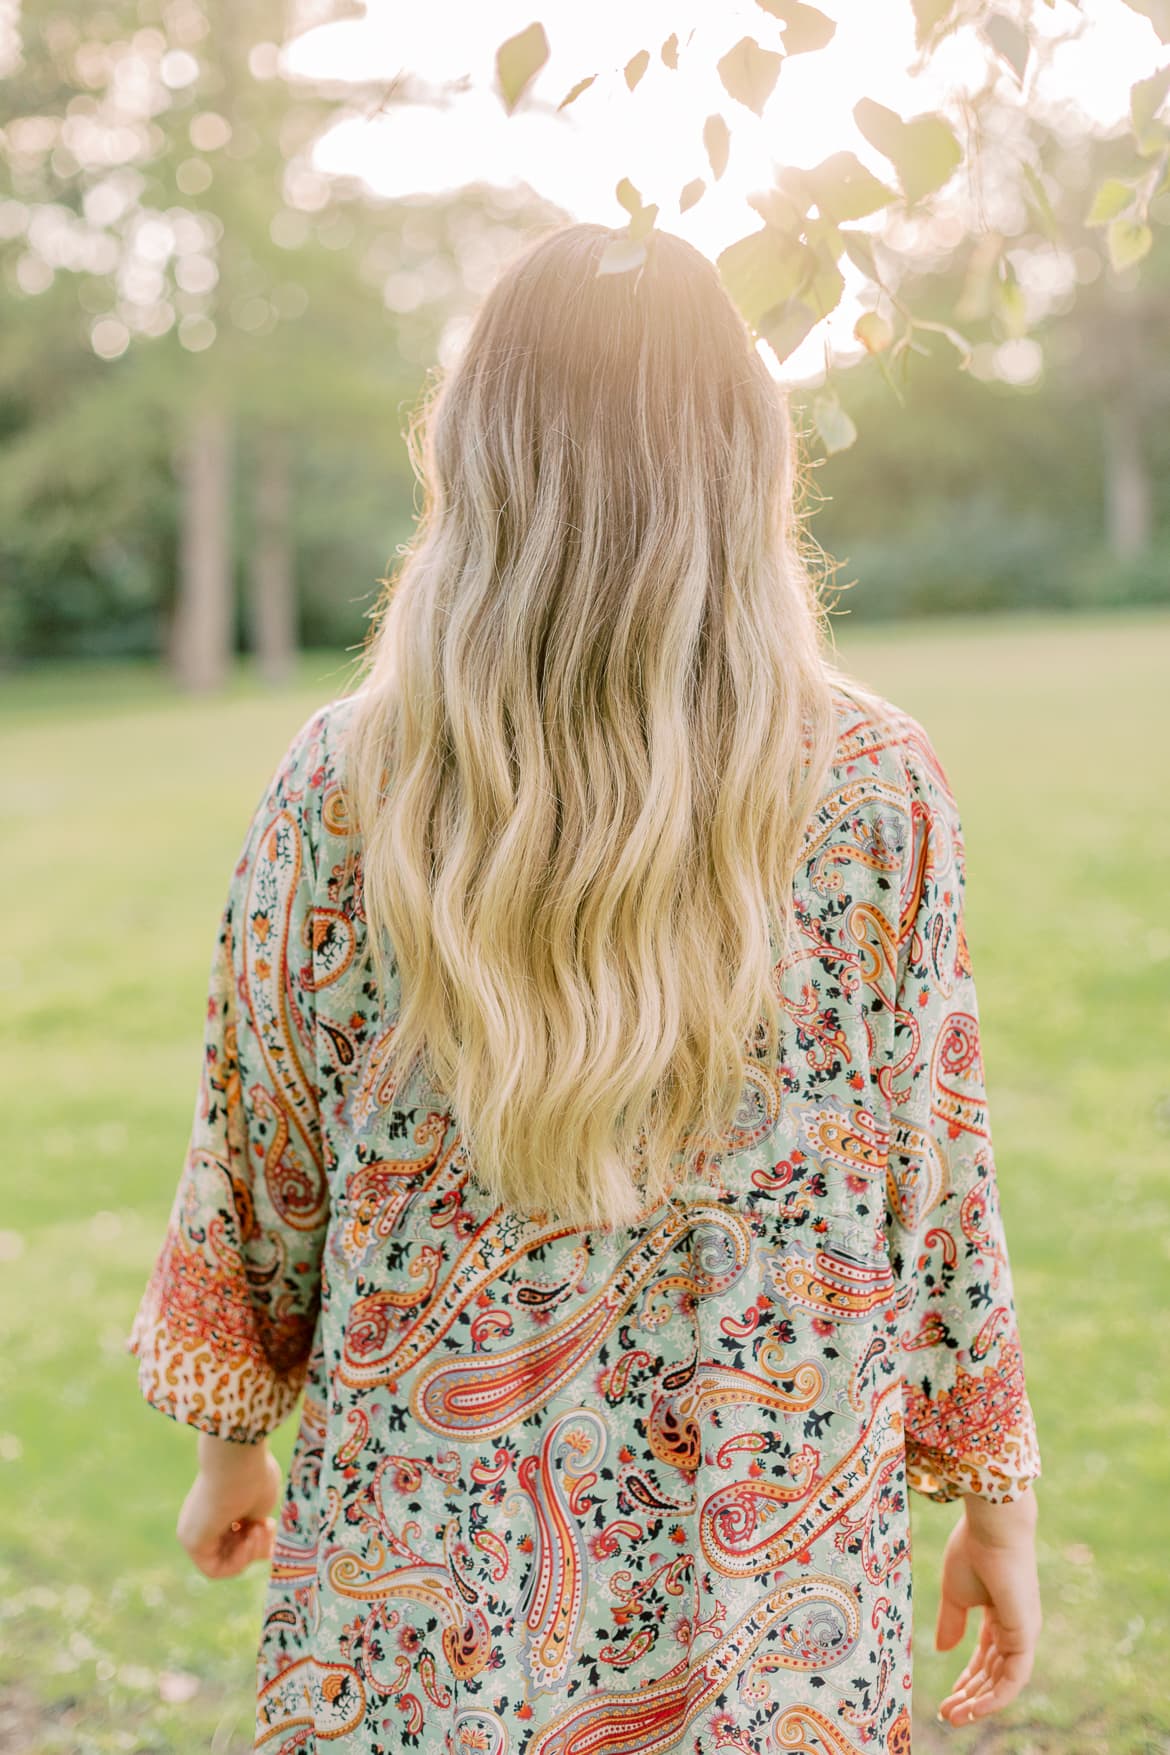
(460, 133)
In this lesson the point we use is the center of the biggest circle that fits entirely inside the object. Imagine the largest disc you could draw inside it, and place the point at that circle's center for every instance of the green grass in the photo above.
(125, 807)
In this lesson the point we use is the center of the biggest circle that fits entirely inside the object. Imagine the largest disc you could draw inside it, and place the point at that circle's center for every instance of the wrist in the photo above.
(999, 1523)
(224, 1459)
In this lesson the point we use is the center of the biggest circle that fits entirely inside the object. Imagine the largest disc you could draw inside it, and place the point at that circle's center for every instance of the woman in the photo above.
(614, 1387)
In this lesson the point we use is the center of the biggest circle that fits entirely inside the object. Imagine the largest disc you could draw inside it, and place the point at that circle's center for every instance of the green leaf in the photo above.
(749, 73)
(823, 282)
(641, 217)
(760, 272)
(1128, 241)
(1041, 206)
(1158, 13)
(805, 29)
(786, 204)
(571, 97)
(1112, 198)
(928, 16)
(833, 424)
(1008, 40)
(843, 189)
(642, 222)
(636, 66)
(825, 236)
(693, 192)
(777, 211)
(786, 327)
(622, 255)
(874, 332)
(859, 248)
(669, 52)
(717, 141)
(518, 61)
(1145, 100)
(628, 196)
(923, 151)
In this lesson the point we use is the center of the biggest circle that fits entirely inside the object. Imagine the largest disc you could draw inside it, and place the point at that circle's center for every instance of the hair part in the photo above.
(593, 716)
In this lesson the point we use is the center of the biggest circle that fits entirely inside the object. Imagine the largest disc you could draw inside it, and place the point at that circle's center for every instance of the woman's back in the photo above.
(568, 1488)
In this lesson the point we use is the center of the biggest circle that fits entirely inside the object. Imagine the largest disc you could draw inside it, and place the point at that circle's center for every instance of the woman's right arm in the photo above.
(969, 1429)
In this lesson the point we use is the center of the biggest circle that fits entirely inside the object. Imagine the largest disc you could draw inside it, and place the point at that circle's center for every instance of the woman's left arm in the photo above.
(225, 1327)
(226, 1519)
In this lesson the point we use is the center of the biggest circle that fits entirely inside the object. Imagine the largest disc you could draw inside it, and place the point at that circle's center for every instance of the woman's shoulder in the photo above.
(307, 783)
(877, 735)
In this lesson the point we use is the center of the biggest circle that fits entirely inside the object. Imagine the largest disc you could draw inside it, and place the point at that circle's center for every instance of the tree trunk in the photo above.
(201, 633)
(1129, 509)
(273, 610)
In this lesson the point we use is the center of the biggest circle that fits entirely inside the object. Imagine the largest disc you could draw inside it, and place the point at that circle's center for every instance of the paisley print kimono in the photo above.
(564, 1492)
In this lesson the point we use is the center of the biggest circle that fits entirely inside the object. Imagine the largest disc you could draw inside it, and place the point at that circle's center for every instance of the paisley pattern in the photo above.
(628, 1492)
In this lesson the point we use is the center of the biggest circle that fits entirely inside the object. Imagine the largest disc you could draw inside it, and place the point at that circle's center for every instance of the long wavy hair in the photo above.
(593, 714)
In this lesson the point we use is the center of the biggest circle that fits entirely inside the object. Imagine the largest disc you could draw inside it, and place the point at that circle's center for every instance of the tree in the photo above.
(217, 307)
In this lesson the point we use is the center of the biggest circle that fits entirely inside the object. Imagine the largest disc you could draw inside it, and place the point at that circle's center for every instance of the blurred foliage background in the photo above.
(209, 349)
(209, 352)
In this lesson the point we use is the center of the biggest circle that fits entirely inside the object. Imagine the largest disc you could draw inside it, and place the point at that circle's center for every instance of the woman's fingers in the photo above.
(975, 1660)
(252, 1540)
(1014, 1673)
(993, 1682)
(963, 1682)
(951, 1624)
(956, 1704)
(224, 1530)
(974, 1688)
(978, 1676)
(244, 1541)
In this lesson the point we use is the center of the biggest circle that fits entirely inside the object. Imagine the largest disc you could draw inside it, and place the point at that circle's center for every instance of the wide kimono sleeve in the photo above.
(226, 1324)
(969, 1425)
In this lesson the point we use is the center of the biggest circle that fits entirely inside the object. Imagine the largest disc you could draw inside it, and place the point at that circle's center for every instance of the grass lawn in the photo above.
(125, 807)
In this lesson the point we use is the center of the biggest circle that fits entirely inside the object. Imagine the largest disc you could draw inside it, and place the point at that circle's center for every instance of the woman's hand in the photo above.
(990, 1562)
(225, 1523)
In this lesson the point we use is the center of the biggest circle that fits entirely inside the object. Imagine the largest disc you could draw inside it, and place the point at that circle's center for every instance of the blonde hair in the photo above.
(593, 716)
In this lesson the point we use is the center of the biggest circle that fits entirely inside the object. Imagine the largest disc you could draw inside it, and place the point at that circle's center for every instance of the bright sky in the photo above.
(653, 135)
